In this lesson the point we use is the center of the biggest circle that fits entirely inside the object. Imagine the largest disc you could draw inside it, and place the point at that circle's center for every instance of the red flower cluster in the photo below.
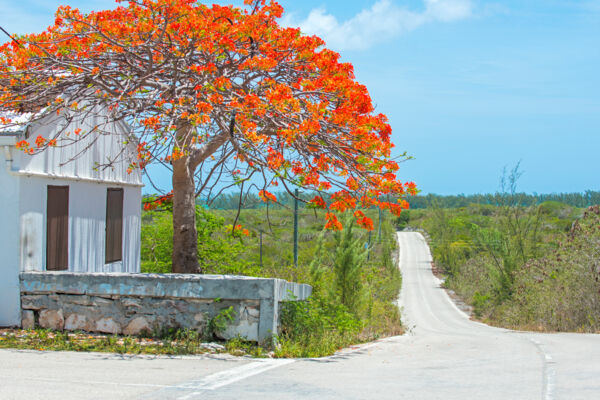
(161, 201)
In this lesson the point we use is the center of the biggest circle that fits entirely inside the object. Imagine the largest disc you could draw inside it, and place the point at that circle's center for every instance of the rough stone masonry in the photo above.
(131, 304)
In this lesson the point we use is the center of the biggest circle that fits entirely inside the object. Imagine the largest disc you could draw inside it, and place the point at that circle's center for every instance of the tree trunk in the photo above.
(185, 235)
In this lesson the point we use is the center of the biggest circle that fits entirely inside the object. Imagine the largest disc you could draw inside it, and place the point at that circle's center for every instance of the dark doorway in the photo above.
(57, 225)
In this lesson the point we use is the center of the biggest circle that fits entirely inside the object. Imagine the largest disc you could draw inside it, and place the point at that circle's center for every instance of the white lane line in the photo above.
(224, 378)
(549, 373)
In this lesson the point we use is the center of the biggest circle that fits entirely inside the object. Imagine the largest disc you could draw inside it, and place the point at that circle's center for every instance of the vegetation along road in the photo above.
(443, 355)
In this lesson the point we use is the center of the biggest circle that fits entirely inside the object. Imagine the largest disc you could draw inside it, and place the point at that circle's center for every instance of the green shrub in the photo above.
(219, 251)
(316, 327)
(217, 324)
(350, 255)
(402, 220)
(561, 292)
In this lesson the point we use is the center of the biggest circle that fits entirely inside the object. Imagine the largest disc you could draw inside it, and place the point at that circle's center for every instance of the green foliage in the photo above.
(560, 291)
(240, 347)
(480, 303)
(576, 200)
(218, 249)
(219, 322)
(157, 242)
(520, 265)
(353, 298)
(316, 327)
(350, 255)
(177, 342)
(251, 201)
(230, 201)
(402, 220)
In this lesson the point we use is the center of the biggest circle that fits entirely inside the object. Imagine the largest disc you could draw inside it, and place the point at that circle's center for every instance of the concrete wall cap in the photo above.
(163, 285)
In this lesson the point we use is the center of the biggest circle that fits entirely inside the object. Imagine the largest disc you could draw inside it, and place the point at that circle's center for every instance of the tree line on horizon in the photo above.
(576, 199)
(231, 201)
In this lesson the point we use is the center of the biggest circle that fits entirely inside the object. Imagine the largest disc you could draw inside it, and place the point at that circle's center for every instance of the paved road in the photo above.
(445, 356)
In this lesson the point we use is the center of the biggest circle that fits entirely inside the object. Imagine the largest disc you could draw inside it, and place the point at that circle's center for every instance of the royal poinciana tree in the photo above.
(211, 92)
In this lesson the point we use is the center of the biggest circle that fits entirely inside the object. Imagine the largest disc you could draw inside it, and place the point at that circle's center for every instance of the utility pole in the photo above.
(296, 228)
(369, 247)
(261, 251)
(379, 228)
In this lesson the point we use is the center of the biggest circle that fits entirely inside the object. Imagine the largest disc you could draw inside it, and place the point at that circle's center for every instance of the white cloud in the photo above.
(378, 23)
(447, 10)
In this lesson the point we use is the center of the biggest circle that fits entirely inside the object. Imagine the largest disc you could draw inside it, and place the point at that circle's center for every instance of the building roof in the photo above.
(18, 122)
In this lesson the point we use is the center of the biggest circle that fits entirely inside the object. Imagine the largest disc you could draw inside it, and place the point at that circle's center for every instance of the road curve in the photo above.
(513, 364)
(444, 355)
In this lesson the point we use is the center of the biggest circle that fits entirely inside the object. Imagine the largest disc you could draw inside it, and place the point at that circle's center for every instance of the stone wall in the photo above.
(130, 304)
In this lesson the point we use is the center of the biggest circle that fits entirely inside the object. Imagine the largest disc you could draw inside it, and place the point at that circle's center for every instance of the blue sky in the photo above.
(470, 86)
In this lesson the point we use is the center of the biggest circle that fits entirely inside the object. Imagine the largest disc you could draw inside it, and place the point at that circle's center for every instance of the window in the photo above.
(57, 228)
(114, 225)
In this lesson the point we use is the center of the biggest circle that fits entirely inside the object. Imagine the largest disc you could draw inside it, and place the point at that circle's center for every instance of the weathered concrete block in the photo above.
(244, 328)
(251, 312)
(52, 319)
(137, 326)
(77, 322)
(35, 302)
(81, 300)
(108, 325)
(131, 303)
(200, 317)
(27, 319)
(101, 302)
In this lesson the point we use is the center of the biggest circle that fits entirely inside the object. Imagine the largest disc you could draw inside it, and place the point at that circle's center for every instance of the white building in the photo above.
(63, 209)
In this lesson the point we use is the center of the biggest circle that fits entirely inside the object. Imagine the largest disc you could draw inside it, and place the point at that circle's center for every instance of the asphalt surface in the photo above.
(444, 355)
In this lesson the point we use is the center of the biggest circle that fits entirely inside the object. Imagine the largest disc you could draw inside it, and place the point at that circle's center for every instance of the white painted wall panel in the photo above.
(10, 303)
(132, 228)
(87, 224)
(83, 156)
(32, 241)
(87, 213)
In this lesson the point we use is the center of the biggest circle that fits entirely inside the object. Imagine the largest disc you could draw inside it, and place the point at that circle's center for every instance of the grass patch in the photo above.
(182, 342)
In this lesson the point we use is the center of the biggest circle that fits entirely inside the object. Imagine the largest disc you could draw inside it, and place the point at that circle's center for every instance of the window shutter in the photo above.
(57, 228)
(114, 225)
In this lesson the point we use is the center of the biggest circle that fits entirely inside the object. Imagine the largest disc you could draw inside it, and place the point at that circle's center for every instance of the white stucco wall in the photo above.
(87, 224)
(10, 307)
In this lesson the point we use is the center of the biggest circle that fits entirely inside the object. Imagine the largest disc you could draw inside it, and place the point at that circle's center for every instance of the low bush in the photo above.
(316, 327)
(560, 292)
(355, 289)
